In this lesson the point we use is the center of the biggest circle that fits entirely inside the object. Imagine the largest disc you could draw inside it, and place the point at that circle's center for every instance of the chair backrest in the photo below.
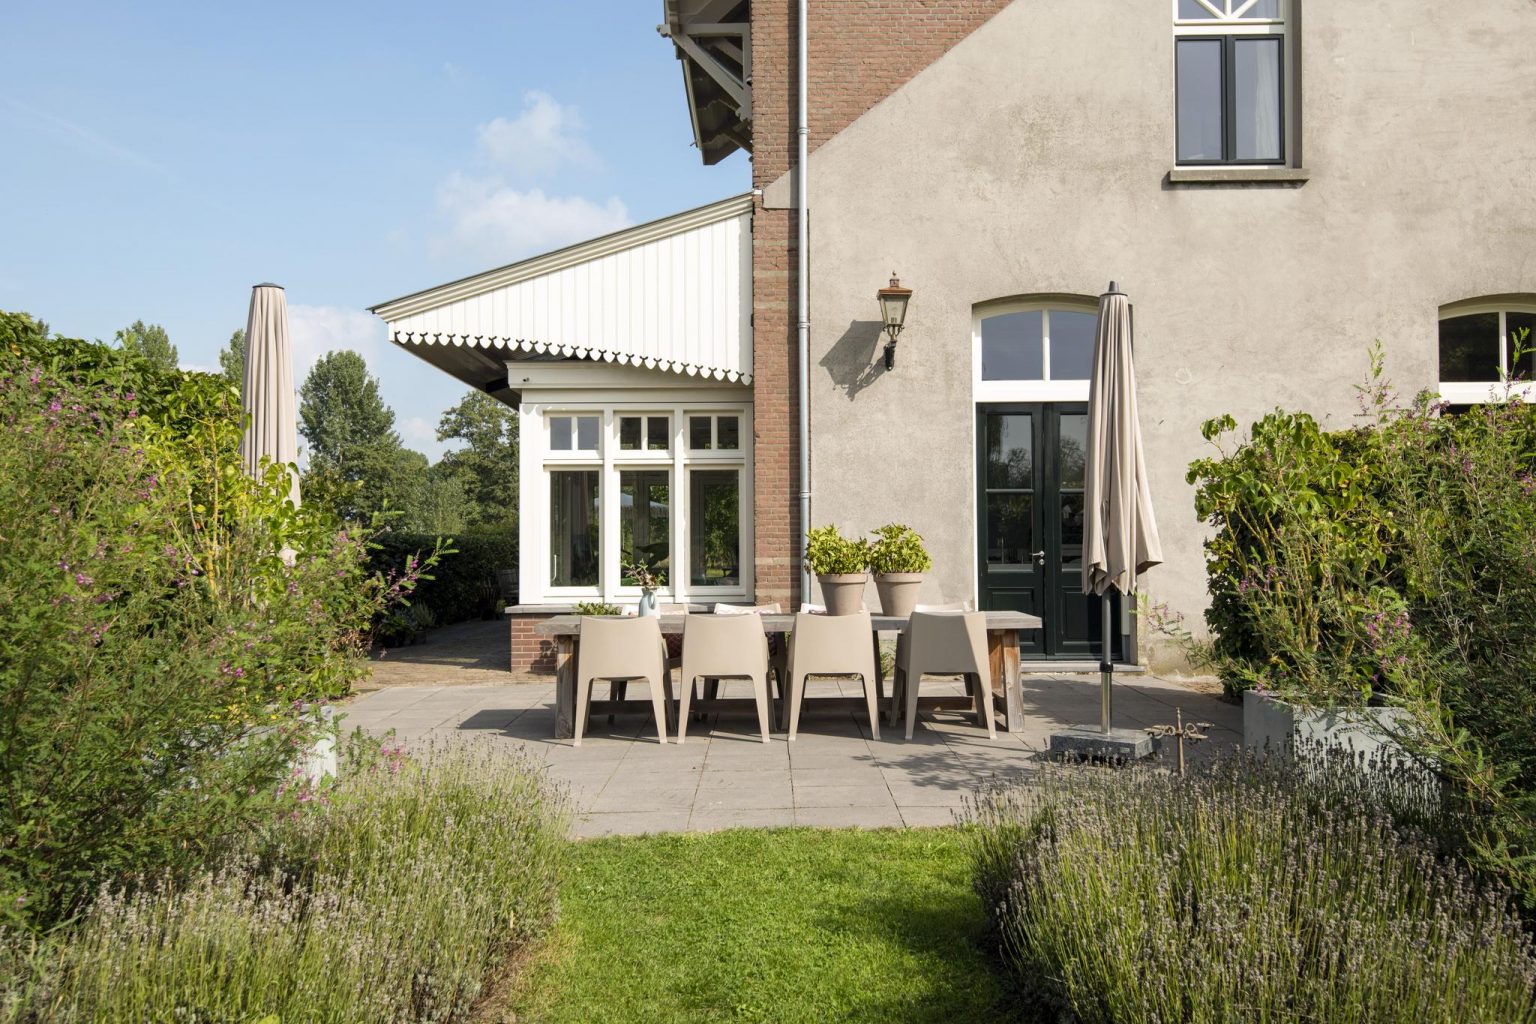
(724, 645)
(958, 606)
(949, 641)
(746, 609)
(613, 647)
(832, 644)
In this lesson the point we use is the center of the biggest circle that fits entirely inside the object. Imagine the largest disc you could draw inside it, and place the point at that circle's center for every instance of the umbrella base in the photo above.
(1091, 743)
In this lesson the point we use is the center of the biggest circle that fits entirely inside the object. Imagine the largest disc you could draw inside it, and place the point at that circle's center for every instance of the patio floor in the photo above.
(622, 781)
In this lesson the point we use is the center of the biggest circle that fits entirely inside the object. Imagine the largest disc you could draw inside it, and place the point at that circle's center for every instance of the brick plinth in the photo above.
(533, 656)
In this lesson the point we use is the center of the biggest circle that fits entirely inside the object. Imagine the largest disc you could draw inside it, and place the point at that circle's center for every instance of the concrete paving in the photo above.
(621, 780)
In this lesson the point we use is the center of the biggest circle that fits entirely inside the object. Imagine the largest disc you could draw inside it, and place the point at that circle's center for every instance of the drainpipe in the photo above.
(802, 303)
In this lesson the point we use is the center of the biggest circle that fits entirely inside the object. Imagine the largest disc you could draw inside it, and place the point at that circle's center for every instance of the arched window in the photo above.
(1231, 69)
(1484, 342)
(1039, 350)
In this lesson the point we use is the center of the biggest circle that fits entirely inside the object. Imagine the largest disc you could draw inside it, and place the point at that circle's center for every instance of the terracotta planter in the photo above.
(843, 592)
(898, 592)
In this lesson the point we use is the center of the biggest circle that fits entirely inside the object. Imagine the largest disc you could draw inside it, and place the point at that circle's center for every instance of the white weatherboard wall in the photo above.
(674, 295)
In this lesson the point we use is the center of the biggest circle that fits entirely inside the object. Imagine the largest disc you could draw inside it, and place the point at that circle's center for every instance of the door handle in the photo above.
(1039, 558)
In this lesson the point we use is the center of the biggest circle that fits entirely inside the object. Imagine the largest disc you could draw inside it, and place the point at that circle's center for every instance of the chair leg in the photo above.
(983, 704)
(685, 695)
(914, 682)
(659, 706)
(872, 701)
(760, 693)
(796, 691)
(583, 702)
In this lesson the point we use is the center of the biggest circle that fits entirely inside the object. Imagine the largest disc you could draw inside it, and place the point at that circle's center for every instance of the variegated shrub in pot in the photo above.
(841, 565)
(899, 562)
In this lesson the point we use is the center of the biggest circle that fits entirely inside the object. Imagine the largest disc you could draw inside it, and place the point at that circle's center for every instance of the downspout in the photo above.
(802, 303)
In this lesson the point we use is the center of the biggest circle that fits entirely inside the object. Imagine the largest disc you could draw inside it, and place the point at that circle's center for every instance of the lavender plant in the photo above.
(1245, 893)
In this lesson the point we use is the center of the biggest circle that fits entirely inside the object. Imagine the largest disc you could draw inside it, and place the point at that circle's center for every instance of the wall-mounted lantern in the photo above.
(893, 311)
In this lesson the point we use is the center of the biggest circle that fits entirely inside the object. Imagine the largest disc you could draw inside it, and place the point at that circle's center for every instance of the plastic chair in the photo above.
(620, 649)
(832, 645)
(942, 643)
(724, 647)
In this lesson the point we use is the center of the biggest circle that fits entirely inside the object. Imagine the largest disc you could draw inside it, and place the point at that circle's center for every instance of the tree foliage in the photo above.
(487, 465)
(232, 359)
(149, 342)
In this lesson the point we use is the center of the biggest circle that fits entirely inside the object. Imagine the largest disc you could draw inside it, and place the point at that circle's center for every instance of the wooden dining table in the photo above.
(1003, 629)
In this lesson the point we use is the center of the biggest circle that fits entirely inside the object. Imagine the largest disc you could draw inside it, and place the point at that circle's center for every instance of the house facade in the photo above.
(1276, 183)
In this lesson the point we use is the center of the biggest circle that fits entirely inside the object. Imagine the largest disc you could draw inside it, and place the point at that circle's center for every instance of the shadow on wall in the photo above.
(855, 361)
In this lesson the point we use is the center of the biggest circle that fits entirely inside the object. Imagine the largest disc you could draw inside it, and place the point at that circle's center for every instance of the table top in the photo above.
(569, 625)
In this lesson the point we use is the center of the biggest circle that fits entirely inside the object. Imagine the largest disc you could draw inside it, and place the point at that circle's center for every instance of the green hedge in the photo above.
(463, 586)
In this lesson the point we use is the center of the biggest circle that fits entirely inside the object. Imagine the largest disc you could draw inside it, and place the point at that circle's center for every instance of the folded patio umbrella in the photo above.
(1119, 532)
(266, 392)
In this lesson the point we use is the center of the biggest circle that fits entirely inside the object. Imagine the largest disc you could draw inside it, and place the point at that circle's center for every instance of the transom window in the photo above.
(1230, 76)
(574, 433)
(1038, 344)
(1484, 343)
(714, 433)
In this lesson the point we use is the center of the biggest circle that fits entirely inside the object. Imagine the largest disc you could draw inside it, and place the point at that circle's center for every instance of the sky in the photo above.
(162, 158)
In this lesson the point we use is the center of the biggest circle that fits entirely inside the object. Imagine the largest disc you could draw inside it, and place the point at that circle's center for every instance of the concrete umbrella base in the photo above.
(1092, 743)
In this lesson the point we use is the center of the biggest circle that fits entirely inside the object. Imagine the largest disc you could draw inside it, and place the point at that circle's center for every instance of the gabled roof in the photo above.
(674, 294)
(713, 40)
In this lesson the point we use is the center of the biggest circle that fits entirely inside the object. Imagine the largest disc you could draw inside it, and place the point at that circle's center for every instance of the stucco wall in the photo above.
(1032, 158)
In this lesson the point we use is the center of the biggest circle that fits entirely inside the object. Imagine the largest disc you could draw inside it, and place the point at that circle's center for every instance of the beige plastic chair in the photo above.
(778, 654)
(942, 643)
(719, 647)
(620, 649)
(832, 645)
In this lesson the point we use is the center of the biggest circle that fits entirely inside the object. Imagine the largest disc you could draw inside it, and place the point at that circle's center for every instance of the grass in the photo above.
(777, 925)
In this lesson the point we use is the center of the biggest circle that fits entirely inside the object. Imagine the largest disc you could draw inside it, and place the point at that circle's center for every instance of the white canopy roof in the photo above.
(674, 294)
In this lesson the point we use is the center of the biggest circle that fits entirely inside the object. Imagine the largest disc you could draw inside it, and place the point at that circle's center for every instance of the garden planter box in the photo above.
(1274, 726)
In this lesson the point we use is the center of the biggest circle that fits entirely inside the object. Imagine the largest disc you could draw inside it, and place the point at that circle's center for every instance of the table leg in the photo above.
(1003, 656)
(565, 687)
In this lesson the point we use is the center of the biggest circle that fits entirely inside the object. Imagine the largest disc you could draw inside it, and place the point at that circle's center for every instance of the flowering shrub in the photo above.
(387, 897)
(156, 640)
(1246, 892)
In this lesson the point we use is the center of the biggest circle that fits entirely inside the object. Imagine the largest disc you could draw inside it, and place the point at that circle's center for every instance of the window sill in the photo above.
(1293, 177)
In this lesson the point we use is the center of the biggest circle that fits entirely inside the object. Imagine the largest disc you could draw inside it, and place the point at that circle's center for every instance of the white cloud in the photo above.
(316, 330)
(187, 367)
(489, 219)
(543, 138)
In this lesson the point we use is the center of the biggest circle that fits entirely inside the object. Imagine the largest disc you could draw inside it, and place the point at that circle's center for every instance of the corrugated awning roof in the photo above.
(674, 294)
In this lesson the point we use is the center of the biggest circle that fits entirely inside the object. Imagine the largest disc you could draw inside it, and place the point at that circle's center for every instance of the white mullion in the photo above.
(1503, 345)
(1045, 344)
(608, 510)
(679, 573)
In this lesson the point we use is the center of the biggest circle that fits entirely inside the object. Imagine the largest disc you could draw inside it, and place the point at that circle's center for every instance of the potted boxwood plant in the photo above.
(841, 565)
(899, 561)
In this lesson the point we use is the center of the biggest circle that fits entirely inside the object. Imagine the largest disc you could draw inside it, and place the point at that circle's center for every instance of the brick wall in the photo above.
(533, 656)
(861, 51)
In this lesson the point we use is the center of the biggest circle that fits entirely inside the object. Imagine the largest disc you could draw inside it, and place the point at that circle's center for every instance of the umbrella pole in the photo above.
(1106, 666)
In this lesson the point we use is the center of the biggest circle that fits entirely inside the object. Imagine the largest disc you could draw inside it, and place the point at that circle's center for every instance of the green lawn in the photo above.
(783, 925)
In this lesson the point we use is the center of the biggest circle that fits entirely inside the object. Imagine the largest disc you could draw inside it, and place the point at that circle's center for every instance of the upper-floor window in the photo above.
(1231, 60)
(1483, 343)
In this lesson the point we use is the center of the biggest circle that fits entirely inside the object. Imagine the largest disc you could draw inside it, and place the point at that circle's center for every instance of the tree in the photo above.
(488, 464)
(354, 451)
(431, 499)
(149, 341)
(232, 359)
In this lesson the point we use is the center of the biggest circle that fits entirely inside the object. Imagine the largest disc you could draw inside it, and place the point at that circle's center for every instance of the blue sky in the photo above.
(164, 157)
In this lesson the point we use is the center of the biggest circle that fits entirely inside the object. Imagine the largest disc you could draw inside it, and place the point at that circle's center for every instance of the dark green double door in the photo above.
(1030, 476)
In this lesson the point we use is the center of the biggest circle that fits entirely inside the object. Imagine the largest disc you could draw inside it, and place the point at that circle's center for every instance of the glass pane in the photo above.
(573, 519)
(714, 528)
(1072, 336)
(727, 433)
(658, 433)
(1071, 528)
(1469, 348)
(586, 433)
(1010, 451)
(1264, 10)
(629, 433)
(1199, 98)
(1256, 100)
(644, 512)
(1010, 528)
(1520, 331)
(1012, 347)
(1190, 10)
(698, 433)
(560, 433)
(1073, 449)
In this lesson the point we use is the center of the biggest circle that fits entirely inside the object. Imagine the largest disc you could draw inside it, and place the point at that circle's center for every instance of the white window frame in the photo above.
(1046, 390)
(1480, 392)
(536, 460)
(1290, 95)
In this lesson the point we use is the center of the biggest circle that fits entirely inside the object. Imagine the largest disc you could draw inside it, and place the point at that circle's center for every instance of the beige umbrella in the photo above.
(1119, 532)
(271, 430)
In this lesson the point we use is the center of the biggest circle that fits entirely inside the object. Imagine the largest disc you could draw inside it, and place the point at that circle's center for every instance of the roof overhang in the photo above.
(673, 295)
(713, 41)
